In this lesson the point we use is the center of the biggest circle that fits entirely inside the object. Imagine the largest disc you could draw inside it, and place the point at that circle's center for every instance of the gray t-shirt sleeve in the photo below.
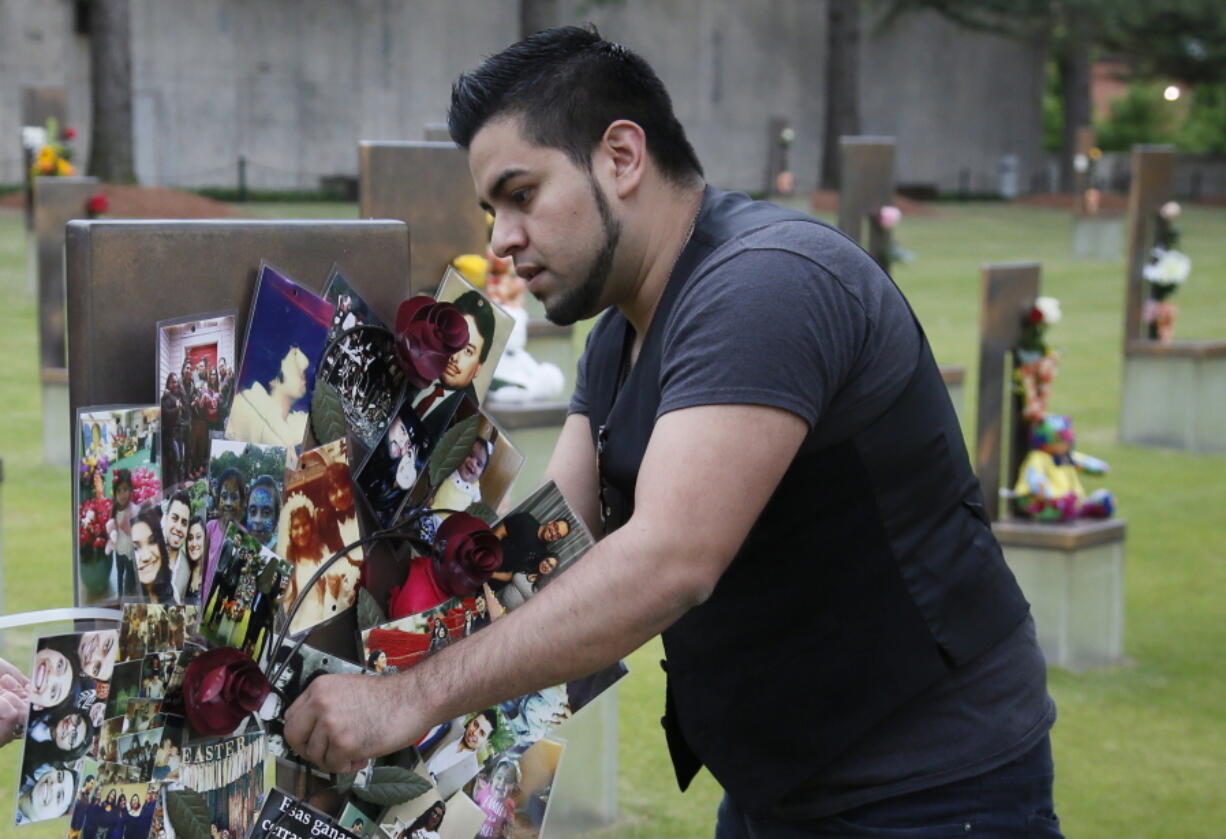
(762, 326)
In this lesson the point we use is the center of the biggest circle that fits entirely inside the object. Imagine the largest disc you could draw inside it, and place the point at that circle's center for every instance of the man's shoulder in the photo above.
(732, 222)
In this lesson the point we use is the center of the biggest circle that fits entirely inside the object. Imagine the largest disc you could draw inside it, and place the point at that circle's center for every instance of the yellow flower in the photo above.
(1096, 153)
(64, 168)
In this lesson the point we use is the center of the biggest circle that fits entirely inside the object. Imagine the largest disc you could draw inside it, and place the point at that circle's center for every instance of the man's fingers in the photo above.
(299, 724)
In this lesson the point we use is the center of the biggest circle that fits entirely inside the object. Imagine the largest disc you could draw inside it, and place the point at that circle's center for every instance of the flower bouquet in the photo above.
(1166, 270)
(1036, 363)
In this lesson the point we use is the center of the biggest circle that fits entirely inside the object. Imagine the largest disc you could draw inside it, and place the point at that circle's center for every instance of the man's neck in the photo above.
(662, 237)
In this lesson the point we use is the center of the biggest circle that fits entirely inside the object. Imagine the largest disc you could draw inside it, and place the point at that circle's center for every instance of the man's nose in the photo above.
(508, 237)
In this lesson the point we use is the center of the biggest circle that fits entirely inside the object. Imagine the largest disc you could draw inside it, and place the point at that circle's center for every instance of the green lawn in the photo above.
(1140, 749)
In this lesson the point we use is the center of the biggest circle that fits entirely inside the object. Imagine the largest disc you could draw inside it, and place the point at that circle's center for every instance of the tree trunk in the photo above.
(1075, 89)
(842, 84)
(110, 59)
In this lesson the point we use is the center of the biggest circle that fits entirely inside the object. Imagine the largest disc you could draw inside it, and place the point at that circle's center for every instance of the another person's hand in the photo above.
(14, 702)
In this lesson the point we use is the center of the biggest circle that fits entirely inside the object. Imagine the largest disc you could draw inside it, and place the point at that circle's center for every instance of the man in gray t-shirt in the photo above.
(759, 422)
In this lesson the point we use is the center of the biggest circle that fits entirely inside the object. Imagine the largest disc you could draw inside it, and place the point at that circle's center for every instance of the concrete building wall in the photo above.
(954, 99)
(730, 67)
(38, 49)
(292, 85)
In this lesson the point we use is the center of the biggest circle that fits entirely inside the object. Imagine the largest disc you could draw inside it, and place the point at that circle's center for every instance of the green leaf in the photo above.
(392, 785)
(483, 511)
(344, 782)
(328, 421)
(452, 448)
(369, 613)
(189, 813)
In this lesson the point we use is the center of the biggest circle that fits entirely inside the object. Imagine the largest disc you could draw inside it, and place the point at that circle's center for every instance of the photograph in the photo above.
(540, 538)
(150, 628)
(229, 772)
(168, 757)
(112, 804)
(117, 473)
(112, 772)
(402, 643)
(172, 702)
(196, 372)
(138, 749)
(470, 371)
(142, 714)
(285, 817)
(513, 792)
(362, 368)
(286, 333)
(245, 485)
(242, 607)
(158, 670)
(125, 685)
(351, 309)
(107, 747)
(478, 482)
(306, 664)
(70, 677)
(392, 466)
(456, 750)
(318, 519)
(429, 816)
(360, 817)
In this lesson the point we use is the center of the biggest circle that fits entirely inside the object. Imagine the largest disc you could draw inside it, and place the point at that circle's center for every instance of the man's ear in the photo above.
(621, 156)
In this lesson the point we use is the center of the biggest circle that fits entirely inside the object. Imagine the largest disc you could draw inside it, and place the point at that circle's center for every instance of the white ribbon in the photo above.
(51, 615)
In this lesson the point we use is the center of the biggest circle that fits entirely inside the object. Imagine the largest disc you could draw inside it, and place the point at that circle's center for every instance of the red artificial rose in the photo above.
(466, 553)
(69, 132)
(428, 333)
(221, 686)
(97, 205)
(1036, 315)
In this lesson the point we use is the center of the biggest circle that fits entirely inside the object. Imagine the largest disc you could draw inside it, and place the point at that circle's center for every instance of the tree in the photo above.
(110, 59)
(842, 84)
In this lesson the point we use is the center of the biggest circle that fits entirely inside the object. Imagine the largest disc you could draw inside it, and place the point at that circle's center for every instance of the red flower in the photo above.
(428, 333)
(97, 205)
(1035, 316)
(69, 132)
(466, 553)
(221, 686)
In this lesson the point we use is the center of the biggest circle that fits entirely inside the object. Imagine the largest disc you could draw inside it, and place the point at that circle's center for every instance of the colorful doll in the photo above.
(1048, 485)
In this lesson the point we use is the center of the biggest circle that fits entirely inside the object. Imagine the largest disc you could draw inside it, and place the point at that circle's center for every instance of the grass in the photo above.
(1140, 748)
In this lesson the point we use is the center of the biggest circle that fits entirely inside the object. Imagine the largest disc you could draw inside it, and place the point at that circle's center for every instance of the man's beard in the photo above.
(583, 301)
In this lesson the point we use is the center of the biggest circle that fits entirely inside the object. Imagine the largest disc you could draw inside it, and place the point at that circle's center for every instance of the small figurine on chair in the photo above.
(1048, 485)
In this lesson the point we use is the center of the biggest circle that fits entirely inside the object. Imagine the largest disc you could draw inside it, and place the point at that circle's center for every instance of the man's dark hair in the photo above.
(568, 85)
(181, 497)
(482, 312)
(490, 715)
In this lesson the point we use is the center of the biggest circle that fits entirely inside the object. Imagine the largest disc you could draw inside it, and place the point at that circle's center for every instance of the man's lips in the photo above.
(40, 673)
(529, 273)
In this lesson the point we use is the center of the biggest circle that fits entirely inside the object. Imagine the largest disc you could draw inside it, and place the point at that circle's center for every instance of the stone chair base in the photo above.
(1073, 576)
(1174, 395)
(57, 433)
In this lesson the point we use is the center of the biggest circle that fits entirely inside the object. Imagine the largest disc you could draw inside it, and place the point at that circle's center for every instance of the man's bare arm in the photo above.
(706, 476)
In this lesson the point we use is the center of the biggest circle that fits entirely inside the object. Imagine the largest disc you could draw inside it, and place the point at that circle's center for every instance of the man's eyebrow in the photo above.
(499, 185)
